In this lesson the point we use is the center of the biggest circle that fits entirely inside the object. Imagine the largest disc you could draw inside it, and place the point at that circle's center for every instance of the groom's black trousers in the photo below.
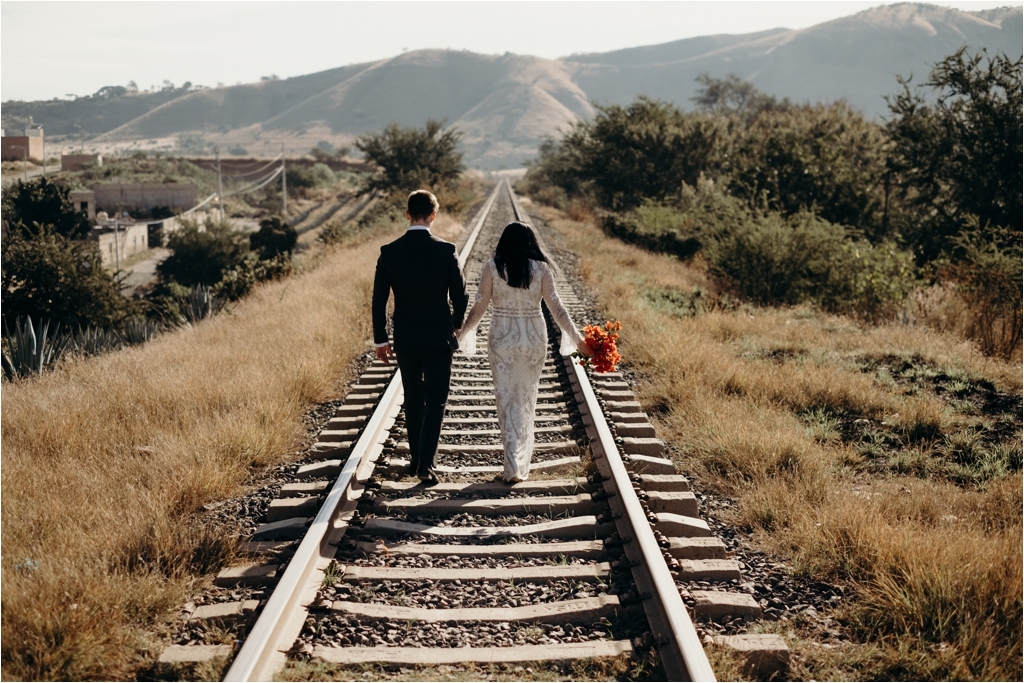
(426, 376)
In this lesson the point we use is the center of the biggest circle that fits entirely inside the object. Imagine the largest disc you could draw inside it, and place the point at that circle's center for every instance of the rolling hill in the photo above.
(506, 104)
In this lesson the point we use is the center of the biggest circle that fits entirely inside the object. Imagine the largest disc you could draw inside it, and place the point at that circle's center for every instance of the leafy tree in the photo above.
(43, 202)
(824, 158)
(958, 160)
(274, 237)
(48, 275)
(733, 95)
(555, 174)
(411, 158)
(643, 151)
(203, 256)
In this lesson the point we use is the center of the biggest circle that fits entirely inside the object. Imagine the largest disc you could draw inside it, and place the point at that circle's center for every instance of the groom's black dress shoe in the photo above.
(428, 478)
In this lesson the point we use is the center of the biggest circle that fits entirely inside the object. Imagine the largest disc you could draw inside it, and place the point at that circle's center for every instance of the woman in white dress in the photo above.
(515, 281)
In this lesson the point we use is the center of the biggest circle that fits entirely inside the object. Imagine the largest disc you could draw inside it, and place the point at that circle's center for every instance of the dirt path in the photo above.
(142, 273)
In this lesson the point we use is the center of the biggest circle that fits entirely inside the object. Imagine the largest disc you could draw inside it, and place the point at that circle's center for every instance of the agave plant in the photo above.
(29, 351)
(93, 340)
(199, 304)
(140, 330)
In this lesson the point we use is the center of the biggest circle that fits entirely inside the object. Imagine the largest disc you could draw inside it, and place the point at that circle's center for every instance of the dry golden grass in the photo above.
(447, 227)
(107, 460)
(936, 568)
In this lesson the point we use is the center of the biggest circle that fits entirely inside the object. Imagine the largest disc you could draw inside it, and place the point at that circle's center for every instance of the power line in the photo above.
(252, 188)
(258, 184)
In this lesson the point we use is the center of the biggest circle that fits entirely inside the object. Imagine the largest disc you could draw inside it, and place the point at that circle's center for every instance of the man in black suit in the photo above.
(424, 274)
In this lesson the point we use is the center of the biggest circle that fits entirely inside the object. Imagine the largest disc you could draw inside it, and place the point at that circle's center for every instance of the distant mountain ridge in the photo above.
(506, 104)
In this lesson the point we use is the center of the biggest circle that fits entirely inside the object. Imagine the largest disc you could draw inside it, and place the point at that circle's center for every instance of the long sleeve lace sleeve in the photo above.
(570, 334)
(467, 337)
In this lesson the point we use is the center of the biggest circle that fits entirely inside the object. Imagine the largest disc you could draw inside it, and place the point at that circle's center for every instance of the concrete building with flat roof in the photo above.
(144, 197)
(84, 201)
(119, 239)
(16, 147)
(136, 198)
(30, 144)
(76, 162)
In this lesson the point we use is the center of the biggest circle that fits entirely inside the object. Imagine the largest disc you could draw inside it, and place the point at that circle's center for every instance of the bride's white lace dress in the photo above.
(517, 345)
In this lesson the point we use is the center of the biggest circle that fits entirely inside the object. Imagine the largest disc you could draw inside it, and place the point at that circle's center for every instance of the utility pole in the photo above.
(220, 189)
(284, 185)
(117, 248)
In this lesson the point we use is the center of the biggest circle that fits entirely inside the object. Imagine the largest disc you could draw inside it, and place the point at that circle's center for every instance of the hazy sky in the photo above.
(52, 49)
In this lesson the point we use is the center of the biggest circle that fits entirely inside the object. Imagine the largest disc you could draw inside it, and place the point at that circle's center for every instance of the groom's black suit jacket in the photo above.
(424, 274)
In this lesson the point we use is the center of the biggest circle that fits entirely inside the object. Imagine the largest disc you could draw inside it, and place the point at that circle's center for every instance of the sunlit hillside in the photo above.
(507, 104)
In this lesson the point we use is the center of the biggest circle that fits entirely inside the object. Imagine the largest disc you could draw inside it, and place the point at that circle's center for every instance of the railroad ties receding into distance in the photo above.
(362, 566)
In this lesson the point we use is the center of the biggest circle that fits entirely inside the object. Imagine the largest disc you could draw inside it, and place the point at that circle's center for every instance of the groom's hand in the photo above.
(384, 353)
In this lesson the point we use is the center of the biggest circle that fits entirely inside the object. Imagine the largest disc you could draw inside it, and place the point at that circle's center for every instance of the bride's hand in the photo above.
(458, 333)
(583, 349)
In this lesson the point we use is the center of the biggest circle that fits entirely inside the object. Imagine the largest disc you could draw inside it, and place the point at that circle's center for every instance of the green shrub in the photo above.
(825, 158)
(872, 280)
(775, 260)
(334, 232)
(218, 259)
(408, 159)
(657, 227)
(628, 154)
(202, 256)
(771, 258)
(325, 151)
(989, 278)
(47, 275)
(275, 237)
(43, 202)
(310, 177)
(240, 280)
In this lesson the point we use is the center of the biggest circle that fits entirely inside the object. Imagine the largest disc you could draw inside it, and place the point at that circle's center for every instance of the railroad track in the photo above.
(586, 559)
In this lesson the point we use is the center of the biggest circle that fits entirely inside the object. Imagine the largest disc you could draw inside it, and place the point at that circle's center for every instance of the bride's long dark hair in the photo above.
(517, 246)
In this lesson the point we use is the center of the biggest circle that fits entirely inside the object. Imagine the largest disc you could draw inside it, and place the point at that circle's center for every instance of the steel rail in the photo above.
(263, 652)
(679, 648)
(467, 248)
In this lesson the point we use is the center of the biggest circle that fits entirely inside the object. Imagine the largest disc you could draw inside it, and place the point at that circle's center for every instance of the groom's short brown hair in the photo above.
(422, 204)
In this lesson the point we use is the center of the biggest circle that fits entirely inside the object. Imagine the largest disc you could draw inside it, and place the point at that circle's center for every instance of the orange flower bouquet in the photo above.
(601, 342)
